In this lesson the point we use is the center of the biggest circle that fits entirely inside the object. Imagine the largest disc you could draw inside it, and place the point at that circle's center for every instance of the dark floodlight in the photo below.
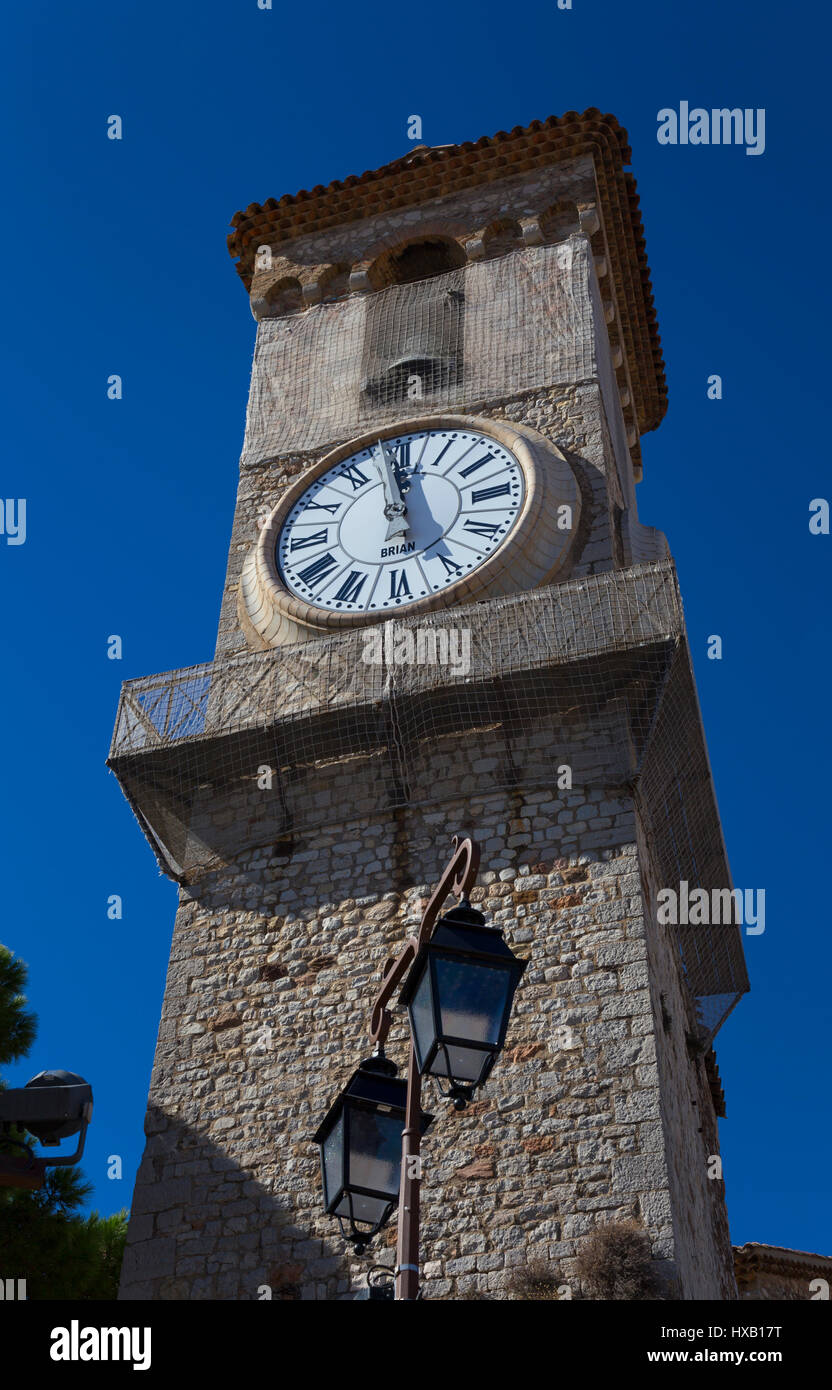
(52, 1106)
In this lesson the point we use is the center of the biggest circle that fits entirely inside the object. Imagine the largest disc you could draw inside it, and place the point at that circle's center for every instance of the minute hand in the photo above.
(394, 508)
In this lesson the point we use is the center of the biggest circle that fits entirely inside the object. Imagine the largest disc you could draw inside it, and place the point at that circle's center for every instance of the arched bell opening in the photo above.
(285, 296)
(413, 341)
(500, 237)
(418, 259)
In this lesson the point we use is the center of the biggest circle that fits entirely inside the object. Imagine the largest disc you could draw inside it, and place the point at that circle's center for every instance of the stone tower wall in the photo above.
(694, 1198)
(274, 964)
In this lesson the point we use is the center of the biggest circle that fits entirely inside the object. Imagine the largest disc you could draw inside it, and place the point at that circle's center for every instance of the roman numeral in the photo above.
(482, 528)
(403, 453)
(450, 566)
(472, 467)
(355, 476)
(351, 587)
(303, 542)
(319, 569)
(486, 492)
(321, 507)
(397, 590)
(442, 453)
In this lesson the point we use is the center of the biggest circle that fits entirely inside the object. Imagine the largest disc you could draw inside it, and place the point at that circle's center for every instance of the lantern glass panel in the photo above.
(472, 999)
(355, 1206)
(334, 1160)
(375, 1152)
(421, 1015)
(466, 1063)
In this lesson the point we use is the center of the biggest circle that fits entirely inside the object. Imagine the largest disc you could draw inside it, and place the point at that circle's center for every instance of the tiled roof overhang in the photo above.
(432, 173)
(753, 1259)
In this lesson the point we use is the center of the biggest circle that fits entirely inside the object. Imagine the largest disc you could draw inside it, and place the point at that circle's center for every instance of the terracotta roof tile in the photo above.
(755, 1260)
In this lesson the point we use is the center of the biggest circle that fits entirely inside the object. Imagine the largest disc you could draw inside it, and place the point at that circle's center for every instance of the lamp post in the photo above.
(459, 987)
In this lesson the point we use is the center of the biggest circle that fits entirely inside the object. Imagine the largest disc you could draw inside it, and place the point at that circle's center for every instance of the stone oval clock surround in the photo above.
(532, 553)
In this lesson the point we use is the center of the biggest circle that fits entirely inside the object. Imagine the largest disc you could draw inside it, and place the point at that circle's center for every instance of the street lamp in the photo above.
(361, 1140)
(459, 994)
(460, 985)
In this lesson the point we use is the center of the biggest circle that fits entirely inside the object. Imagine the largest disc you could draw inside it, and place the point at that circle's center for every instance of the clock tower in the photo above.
(441, 615)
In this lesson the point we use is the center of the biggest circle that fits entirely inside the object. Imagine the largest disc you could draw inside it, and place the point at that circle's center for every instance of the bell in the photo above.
(413, 343)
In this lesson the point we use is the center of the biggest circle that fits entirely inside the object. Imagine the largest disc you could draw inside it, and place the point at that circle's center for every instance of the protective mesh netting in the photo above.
(594, 673)
(487, 331)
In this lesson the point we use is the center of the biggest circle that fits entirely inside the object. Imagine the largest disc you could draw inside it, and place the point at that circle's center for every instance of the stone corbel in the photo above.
(360, 282)
(642, 545)
(589, 219)
(532, 231)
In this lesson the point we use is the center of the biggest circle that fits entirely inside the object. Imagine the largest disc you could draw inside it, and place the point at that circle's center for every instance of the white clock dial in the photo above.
(439, 512)
(400, 520)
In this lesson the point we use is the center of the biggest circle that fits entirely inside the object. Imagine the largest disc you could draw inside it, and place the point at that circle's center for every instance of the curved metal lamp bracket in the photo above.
(459, 877)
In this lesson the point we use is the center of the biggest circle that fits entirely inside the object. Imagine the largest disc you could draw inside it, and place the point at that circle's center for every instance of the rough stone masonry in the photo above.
(595, 1111)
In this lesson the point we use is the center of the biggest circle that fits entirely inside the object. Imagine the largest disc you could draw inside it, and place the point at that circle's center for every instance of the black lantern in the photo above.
(361, 1149)
(459, 993)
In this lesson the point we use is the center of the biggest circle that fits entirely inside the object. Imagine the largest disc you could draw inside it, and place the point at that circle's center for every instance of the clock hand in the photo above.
(394, 509)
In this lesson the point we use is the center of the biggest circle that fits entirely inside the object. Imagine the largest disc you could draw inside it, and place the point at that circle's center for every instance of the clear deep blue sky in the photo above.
(116, 263)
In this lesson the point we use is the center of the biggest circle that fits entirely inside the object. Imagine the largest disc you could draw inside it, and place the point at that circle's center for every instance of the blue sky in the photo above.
(116, 263)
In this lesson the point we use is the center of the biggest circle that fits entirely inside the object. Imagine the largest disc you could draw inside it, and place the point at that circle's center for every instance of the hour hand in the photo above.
(394, 508)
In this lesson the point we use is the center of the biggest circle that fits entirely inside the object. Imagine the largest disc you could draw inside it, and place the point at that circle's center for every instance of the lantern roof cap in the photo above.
(459, 933)
(373, 1085)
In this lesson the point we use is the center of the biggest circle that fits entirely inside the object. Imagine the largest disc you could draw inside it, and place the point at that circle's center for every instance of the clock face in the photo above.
(426, 515)
(400, 520)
